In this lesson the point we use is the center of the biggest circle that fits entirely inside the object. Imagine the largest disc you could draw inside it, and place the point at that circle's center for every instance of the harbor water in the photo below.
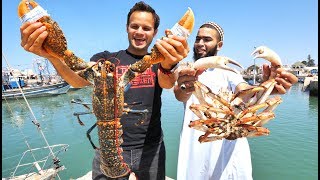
(289, 152)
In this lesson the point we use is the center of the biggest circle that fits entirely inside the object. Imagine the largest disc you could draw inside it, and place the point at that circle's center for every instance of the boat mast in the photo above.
(40, 69)
(35, 122)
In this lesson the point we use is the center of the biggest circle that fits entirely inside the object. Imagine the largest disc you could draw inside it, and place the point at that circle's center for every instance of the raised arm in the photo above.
(45, 38)
(174, 49)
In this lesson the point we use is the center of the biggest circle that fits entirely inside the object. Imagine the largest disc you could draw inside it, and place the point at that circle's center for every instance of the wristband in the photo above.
(167, 71)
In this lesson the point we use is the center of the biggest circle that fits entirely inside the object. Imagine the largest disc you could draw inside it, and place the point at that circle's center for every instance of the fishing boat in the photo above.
(35, 163)
(38, 169)
(36, 90)
(41, 83)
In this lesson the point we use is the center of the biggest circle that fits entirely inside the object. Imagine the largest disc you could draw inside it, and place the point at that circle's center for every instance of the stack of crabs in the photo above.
(231, 116)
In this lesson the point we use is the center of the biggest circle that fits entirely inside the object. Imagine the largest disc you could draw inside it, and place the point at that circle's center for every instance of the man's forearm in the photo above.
(67, 74)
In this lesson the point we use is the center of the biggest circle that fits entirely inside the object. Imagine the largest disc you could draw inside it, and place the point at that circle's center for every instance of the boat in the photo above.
(32, 169)
(36, 90)
(39, 84)
(35, 163)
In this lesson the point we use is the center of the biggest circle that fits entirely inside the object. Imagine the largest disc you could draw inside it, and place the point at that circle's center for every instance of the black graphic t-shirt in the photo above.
(144, 93)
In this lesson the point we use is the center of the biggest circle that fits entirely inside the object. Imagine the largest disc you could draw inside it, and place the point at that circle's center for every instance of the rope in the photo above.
(35, 122)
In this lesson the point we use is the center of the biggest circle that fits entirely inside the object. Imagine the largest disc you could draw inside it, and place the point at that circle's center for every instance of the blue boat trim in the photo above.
(37, 91)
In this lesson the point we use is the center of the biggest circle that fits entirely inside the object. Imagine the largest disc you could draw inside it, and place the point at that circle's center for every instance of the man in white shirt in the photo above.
(220, 159)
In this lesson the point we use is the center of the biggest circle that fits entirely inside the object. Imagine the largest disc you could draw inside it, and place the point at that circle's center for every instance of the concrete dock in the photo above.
(311, 84)
(88, 176)
(313, 88)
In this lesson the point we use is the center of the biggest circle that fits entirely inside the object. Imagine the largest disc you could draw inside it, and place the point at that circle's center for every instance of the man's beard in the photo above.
(212, 52)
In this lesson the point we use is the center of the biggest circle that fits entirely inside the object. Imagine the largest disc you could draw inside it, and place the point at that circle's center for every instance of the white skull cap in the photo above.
(217, 27)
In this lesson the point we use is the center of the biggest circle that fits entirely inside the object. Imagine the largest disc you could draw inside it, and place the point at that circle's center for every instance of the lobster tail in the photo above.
(112, 163)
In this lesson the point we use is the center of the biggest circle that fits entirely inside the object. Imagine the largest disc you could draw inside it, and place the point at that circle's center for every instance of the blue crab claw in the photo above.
(267, 54)
(216, 62)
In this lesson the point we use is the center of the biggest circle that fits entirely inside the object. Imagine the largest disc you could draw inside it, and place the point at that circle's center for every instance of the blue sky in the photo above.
(288, 27)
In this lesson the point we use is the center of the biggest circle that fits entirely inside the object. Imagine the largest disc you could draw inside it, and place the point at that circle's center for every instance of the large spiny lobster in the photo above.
(108, 94)
(231, 116)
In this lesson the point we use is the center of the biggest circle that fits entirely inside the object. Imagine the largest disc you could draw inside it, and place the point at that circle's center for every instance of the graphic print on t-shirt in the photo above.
(144, 80)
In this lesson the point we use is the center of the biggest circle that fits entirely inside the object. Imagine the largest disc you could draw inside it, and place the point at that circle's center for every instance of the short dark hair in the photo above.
(142, 6)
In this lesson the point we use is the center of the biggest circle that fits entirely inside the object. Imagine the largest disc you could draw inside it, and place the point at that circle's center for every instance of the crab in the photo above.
(225, 115)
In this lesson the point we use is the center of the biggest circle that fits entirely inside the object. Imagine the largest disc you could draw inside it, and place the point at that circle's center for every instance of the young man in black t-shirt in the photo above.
(143, 147)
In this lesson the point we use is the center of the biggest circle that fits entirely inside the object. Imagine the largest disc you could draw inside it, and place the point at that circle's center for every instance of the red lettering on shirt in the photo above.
(146, 79)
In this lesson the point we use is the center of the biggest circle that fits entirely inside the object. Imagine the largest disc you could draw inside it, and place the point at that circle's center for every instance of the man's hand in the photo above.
(187, 77)
(174, 49)
(283, 78)
(32, 38)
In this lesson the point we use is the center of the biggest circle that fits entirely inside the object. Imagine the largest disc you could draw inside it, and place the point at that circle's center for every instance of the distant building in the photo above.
(298, 65)
(298, 69)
